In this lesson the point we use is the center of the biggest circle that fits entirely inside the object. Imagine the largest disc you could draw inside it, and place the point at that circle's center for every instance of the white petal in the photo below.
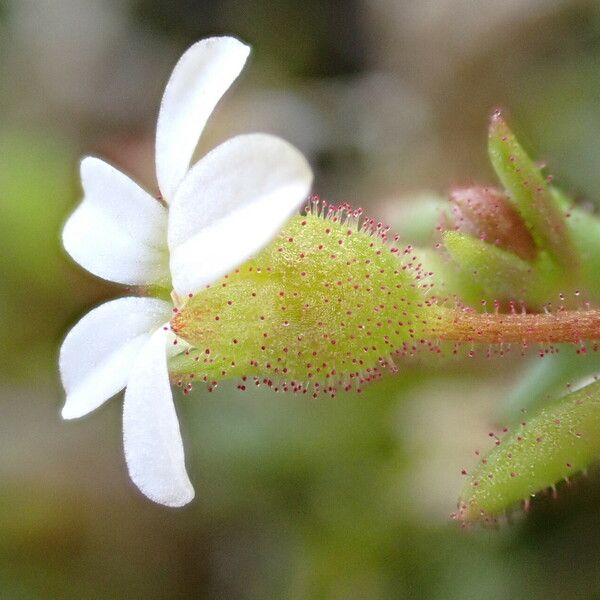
(153, 446)
(98, 353)
(202, 75)
(118, 232)
(231, 204)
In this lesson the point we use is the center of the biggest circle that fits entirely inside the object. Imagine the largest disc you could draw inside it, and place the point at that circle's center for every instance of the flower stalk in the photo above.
(563, 326)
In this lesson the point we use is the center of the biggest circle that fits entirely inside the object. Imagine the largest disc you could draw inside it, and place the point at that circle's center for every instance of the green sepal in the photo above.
(500, 273)
(449, 280)
(326, 301)
(530, 192)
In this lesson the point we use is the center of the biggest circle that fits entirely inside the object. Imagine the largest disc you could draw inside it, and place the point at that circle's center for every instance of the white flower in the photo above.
(218, 213)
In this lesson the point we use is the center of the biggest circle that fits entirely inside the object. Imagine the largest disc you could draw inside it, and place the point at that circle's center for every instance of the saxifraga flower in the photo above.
(213, 216)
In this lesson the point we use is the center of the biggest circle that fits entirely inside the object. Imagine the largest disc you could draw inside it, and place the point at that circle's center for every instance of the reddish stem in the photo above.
(562, 326)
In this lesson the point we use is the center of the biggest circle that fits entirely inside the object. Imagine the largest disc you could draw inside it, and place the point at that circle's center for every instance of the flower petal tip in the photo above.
(200, 78)
(180, 499)
(71, 410)
(226, 42)
(176, 495)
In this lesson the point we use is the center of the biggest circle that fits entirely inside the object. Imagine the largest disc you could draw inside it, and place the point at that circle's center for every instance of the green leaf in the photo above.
(546, 448)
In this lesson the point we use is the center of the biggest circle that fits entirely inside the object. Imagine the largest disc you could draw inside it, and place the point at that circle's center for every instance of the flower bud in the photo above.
(487, 213)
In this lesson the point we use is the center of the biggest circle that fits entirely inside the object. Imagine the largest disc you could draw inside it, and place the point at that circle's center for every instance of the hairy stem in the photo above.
(563, 326)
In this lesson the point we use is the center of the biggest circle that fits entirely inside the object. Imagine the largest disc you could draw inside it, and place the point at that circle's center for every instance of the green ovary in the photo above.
(325, 302)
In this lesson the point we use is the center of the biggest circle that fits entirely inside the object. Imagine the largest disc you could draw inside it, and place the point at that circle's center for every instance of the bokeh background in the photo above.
(345, 498)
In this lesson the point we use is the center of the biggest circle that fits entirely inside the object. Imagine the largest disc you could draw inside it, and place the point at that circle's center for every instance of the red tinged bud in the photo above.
(487, 213)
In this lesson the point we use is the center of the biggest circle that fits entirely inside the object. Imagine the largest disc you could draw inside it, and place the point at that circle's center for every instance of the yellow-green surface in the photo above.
(328, 305)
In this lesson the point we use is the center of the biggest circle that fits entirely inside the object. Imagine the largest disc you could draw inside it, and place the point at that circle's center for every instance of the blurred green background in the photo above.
(345, 498)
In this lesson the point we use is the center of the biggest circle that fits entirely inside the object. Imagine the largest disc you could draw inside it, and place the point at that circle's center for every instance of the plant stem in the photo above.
(465, 325)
